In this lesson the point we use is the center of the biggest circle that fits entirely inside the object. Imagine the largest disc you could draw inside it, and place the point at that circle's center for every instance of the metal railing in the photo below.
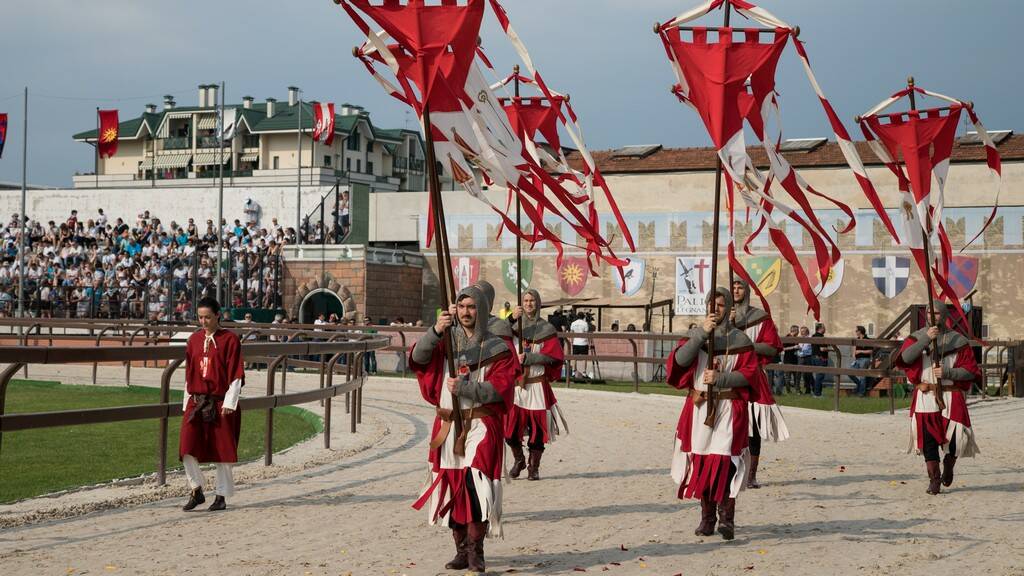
(277, 354)
(177, 143)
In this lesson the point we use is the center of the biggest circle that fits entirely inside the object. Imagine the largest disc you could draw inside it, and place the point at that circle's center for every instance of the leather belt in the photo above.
(530, 380)
(446, 422)
(943, 388)
(702, 395)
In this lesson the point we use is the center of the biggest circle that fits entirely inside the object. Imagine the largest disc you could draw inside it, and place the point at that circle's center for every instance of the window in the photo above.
(327, 160)
(359, 165)
(369, 166)
(348, 164)
(277, 162)
(369, 146)
(352, 142)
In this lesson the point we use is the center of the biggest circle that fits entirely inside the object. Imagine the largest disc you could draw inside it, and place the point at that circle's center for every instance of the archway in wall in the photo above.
(319, 302)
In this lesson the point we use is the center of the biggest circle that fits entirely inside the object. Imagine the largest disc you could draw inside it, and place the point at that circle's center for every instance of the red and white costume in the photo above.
(447, 492)
(536, 408)
(703, 454)
(925, 416)
(764, 412)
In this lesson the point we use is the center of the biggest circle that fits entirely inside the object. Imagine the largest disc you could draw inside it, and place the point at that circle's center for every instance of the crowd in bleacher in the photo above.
(143, 268)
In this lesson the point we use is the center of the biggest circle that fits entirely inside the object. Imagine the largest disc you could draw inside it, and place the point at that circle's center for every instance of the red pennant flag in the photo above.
(108, 133)
(323, 128)
(3, 132)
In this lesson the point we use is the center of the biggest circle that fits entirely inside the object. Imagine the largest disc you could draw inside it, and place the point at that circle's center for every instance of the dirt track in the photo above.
(841, 496)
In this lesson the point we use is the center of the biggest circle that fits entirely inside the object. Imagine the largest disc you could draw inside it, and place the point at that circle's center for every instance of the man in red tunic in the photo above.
(536, 412)
(464, 487)
(211, 423)
(766, 420)
(932, 426)
(710, 463)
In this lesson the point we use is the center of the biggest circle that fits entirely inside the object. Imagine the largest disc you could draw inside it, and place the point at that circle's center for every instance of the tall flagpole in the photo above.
(220, 203)
(24, 202)
(96, 164)
(298, 162)
(712, 301)
(519, 241)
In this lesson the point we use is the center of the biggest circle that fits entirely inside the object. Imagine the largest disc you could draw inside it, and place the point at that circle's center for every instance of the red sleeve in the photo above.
(552, 349)
(431, 375)
(913, 370)
(502, 375)
(191, 364)
(234, 367)
(965, 359)
(748, 364)
(679, 377)
(769, 335)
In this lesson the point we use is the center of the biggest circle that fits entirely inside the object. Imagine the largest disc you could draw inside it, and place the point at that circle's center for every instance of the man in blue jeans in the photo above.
(861, 360)
(819, 357)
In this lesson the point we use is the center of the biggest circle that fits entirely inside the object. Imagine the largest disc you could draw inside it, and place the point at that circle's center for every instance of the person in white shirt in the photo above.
(580, 345)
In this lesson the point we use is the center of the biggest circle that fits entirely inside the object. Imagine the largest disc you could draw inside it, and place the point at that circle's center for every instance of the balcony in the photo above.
(177, 143)
(251, 141)
(208, 142)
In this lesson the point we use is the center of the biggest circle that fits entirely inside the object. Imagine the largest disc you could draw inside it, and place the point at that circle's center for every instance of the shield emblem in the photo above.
(572, 275)
(466, 271)
(634, 277)
(891, 274)
(765, 271)
(963, 274)
(508, 274)
(831, 284)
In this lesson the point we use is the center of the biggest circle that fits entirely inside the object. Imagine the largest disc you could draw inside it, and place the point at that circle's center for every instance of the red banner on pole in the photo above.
(323, 127)
(3, 132)
(108, 134)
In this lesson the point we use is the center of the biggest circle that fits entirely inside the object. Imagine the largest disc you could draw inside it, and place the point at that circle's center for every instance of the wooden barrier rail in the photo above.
(17, 357)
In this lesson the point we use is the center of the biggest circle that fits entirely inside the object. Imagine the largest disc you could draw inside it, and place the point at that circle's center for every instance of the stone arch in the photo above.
(331, 287)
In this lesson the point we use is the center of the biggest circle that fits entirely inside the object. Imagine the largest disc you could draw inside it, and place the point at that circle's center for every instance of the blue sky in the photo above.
(75, 56)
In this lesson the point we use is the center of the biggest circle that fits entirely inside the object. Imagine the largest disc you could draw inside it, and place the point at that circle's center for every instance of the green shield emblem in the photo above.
(508, 274)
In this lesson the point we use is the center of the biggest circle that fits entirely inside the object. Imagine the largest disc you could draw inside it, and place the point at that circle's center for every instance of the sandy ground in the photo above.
(839, 497)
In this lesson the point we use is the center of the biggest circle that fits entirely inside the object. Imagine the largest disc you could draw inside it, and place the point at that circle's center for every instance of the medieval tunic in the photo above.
(703, 455)
(214, 376)
(764, 412)
(450, 499)
(536, 409)
(925, 418)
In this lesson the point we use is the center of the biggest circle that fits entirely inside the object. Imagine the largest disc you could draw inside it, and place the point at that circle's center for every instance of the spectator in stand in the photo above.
(789, 356)
(343, 210)
(805, 357)
(861, 360)
(819, 354)
(580, 344)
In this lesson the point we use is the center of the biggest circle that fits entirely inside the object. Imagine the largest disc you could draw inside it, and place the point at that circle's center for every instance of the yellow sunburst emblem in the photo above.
(572, 274)
(109, 135)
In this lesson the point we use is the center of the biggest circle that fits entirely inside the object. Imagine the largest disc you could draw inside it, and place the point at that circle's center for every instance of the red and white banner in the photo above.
(108, 133)
(323, 123)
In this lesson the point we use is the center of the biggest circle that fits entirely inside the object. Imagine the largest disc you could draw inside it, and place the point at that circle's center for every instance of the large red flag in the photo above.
(323, 127)
(108, 133)
(3, 132)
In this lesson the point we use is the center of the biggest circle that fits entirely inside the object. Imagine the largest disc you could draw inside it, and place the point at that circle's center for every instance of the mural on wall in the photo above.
(508, 274)
(765, 271)
(466, 271)
(693, 282)
(891, 274)
(632, 277)
(572, 275)
(963, 274)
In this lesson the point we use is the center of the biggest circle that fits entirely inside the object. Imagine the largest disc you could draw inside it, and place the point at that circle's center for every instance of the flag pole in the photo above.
(96, 160)
(519, 241)
(926, 227)
(712, 403)
(298, 163)
(220, 203)
(24, 202)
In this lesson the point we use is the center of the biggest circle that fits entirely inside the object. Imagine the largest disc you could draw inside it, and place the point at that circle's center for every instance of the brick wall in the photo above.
(394, 291)
(382, 291)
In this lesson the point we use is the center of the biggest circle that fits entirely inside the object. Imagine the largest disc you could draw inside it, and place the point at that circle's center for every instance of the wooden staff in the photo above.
(926, 227)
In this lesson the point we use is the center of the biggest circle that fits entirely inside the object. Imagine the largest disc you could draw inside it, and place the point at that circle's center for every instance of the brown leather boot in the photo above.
(707, 518)
(533, 468)
(947, 469)
(475, 547)
(520, 460)
(727, 519)
(934, 477)
(460, 533)
(752, 477)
